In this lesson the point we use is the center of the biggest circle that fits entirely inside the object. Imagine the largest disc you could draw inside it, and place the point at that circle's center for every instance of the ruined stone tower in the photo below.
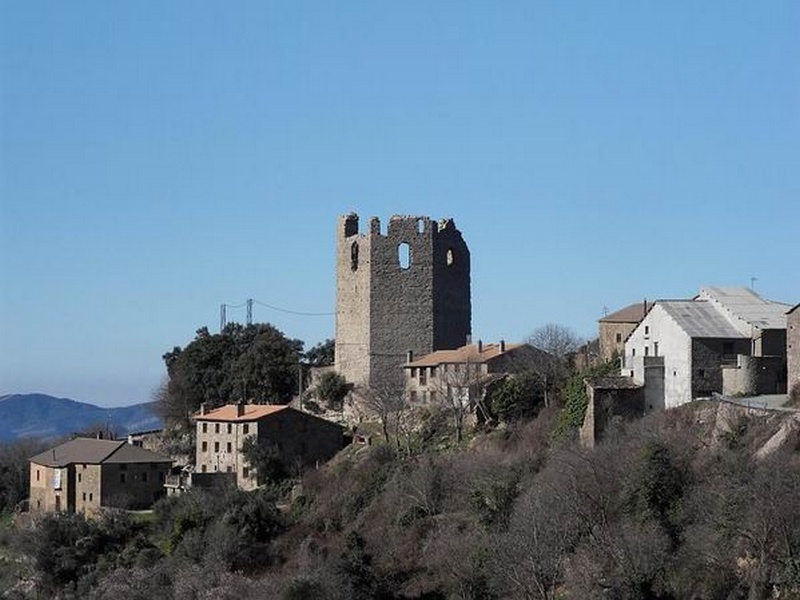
(404, 290)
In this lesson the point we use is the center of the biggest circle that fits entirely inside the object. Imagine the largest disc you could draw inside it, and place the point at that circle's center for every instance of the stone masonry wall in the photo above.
(608, 334)
(793, 348)
(386, 308)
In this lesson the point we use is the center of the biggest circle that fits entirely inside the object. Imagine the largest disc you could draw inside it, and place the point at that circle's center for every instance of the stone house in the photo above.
(87, 474)
(615, 328)
(468, 369)
(725, 340)
(793, 347)
(300, 439)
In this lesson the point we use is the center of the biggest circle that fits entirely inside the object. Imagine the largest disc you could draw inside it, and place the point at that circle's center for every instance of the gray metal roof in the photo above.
(699, 319)
(94, 451)
(743, 303)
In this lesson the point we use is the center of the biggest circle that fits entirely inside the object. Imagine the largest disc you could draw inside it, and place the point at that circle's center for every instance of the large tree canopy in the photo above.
(252, 363)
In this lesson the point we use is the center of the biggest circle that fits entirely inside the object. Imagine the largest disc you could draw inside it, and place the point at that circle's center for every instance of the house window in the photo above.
(701, 373)
(619, 338)
(205, 427)
(422, 378)
(230, 428)
(413, 372)
(647, 329)
(647, 350)
(80, 478)
(37, 474)
(246, 472)
(228, 448)
(216, 427)
(84, 496)
(633, 351)
(203, 468)
(246, 428)
(412, 396)
(216, 447)
(91, 496)
(433, 372)
(204, 446)
(229, 469)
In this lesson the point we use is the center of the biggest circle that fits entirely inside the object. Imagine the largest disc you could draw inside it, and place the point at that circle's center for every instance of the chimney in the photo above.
(644, 308)
(410, 356)
(239, 409)
(502, 345)
(480, 346)
(130, 439)
(202, 408)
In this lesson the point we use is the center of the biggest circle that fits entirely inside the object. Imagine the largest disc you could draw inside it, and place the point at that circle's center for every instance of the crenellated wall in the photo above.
(405, 288)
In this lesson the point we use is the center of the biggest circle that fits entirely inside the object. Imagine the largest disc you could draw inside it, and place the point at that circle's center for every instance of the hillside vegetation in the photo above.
(699, 502)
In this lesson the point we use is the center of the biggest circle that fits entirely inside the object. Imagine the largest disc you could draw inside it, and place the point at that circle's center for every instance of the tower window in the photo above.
(420, 225)
(404, 255)
(354, 256)
(449, 257)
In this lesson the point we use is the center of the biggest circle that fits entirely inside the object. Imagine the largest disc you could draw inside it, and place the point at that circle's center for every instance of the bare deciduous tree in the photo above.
(557, 343)
(384, 400)
(459, 390)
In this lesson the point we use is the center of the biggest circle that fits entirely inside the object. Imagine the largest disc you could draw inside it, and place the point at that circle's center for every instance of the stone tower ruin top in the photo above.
(405, 289)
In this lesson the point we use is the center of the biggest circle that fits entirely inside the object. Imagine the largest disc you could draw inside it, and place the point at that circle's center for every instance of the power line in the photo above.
(295, 312)
(223, 308)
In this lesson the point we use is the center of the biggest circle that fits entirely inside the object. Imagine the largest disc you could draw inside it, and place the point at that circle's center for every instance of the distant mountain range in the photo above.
(43, 416)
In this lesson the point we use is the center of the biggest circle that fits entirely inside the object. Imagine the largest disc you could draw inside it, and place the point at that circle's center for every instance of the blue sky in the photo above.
(158, 159)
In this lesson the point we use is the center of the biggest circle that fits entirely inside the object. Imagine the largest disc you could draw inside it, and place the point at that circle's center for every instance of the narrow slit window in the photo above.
(404, 255)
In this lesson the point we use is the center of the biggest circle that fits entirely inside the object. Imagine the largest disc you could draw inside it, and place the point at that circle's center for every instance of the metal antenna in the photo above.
(222, 319)
(753, 283)
(249, 311)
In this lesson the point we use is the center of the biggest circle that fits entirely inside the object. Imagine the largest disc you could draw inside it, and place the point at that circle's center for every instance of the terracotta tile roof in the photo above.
(630, 314)
(468, 353)
(94, 451)
(252, 412)
(129, 453)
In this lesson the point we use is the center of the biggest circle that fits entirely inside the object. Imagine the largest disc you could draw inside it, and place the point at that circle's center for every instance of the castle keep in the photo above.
(406, 290)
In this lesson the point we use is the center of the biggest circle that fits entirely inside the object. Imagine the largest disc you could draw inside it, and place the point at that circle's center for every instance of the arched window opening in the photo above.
(404, 255)
(449, 257)
(354, 256)
(420, 225)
